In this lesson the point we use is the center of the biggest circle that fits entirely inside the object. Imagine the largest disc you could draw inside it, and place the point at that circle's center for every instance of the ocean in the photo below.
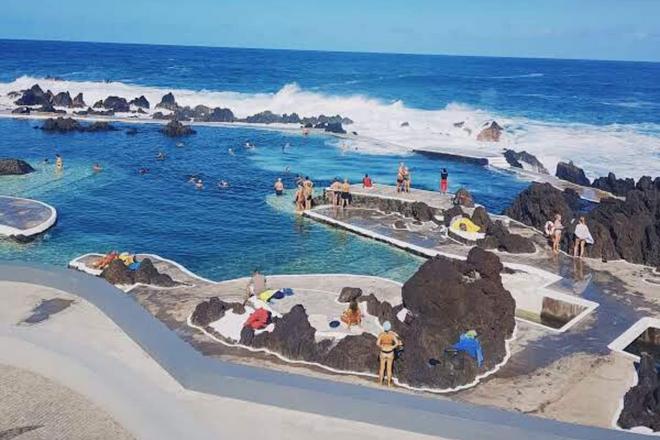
(603, 115)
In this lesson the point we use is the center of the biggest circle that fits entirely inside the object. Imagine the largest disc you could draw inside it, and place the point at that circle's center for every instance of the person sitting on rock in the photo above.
(352, 315)
(388, 341)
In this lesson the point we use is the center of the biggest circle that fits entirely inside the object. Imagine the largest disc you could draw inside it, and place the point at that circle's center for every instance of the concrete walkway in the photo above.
(161, 399)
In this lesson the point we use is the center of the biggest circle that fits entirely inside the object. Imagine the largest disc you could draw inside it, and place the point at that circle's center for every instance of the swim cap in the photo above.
(387, 326)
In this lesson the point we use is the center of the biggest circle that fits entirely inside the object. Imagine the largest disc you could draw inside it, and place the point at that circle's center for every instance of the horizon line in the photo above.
(366, 52)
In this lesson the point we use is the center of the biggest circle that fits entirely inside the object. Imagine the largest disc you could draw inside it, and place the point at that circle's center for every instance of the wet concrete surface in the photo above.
(46, 309)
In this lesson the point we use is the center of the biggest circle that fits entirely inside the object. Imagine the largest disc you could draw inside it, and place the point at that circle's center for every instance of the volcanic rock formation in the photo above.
(175, 128)
(641, 404)
(572, 173)
(491, 133)
(14, 167)
(118, 273)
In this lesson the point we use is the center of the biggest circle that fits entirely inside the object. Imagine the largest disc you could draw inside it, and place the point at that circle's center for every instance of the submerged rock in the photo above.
(67, 125)
(175, 128)
(335, 127)
(491, 133)
(10, 167)
(572, 173)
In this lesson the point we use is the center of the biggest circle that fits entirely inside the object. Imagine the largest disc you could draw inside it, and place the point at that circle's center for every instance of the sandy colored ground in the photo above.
(82, 352)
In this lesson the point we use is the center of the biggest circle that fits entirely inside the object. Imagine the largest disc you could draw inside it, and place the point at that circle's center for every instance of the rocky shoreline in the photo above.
(35, 99)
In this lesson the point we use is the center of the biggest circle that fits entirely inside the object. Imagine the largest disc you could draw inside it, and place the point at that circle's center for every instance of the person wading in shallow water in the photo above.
(308, 190)
(388, 342)
(59, 163)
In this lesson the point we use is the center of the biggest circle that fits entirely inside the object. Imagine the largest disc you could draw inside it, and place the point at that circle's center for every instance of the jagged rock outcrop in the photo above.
(175, 128)
(524, 160)
(572, 173)
(491, 133)
(116, 104)
(641, 404)
(446, 298)
(422, 212)
(618, 187)
(220, 115)
(14, 167)
(34, 96)
(622, 229)
(118, 273)
(209, 311)
(265, 117)
(498, 236)
(78, 101)
(463, 197)
(140, 102)
(62, 99)
(168, 102)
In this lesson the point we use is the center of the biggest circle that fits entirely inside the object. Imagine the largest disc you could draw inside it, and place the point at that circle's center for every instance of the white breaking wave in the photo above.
(629, 150)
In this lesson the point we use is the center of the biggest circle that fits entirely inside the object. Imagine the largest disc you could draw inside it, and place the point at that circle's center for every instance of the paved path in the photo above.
(419, 414)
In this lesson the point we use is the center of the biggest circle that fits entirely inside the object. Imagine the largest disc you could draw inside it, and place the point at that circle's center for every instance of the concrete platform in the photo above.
(24, 218)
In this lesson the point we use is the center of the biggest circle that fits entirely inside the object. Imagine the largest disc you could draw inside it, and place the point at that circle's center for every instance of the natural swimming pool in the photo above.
(217, 233)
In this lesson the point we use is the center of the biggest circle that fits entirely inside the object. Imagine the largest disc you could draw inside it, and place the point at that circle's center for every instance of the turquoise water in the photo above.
(218, 233)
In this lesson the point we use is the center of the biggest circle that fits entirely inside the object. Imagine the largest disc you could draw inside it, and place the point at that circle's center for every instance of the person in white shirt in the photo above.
(582, 237)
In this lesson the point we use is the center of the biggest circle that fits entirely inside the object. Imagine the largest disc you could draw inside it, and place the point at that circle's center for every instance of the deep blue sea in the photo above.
(601, 107)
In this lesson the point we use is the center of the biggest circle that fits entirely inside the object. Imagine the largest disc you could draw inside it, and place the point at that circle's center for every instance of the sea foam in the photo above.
(630, 150)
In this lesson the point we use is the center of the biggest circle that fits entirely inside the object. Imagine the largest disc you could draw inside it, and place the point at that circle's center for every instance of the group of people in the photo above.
(304, 193)
(341, 193)
(403, 178)
(582, 236)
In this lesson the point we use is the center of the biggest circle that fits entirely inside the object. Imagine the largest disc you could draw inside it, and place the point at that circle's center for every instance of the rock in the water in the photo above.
(348, 294)
(572, 173)
(641, 404)
(34, 96)
(220, 115)
(140, 102)
(618, 187)
(524, 160)
(10, 167)
(116, 104)
(491, 133)
(62, 99)
(335, 127)
(61, 125)
(168, 102)
(463, 198)
(67, 125)
(78, 101)
(175, 128)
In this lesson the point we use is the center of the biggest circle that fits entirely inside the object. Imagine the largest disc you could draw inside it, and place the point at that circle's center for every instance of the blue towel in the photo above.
(278, 295)
(471, 346)
(287, 291)
(134, 266)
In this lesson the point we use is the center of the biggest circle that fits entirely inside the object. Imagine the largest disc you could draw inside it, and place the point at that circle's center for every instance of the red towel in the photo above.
(258, 319)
